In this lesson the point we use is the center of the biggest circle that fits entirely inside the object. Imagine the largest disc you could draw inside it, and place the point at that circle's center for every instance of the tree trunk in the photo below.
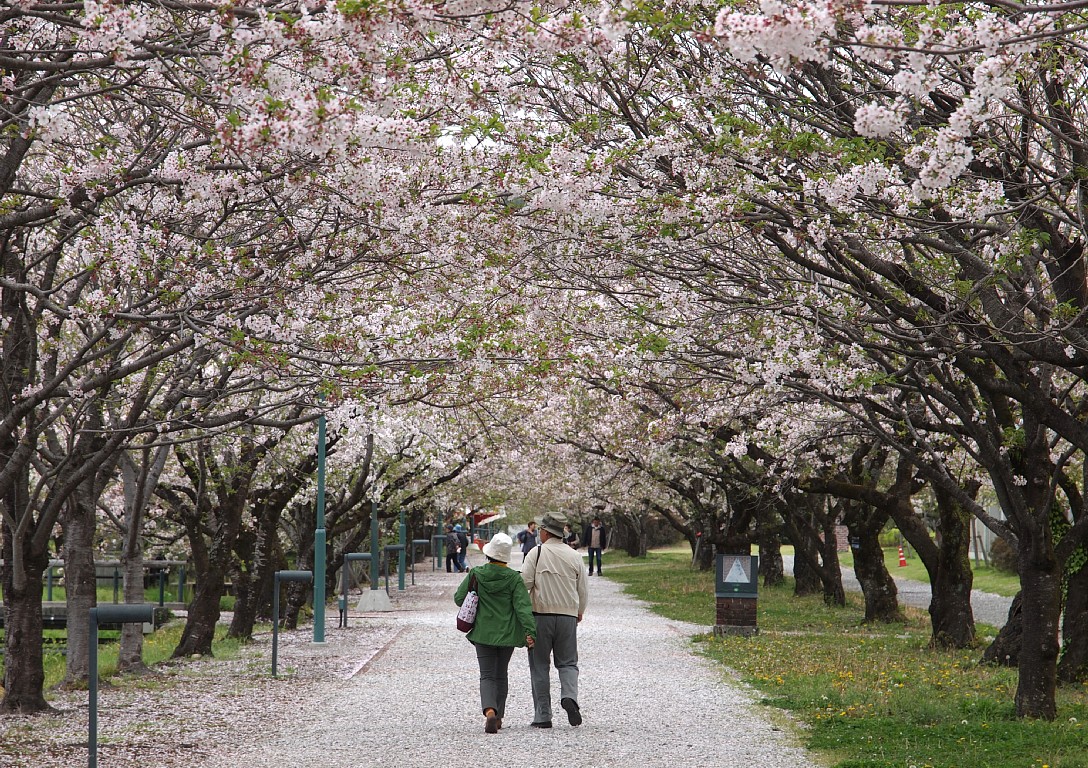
(806, 581)
(1040, 583)
(812, 532)
(1073, 665)
(953, 618)
(771, 566)
(702, 550)
(628, 531)
(878, 586)
(831, 573)
(266, 560)
(138, 480)
(80, 584)
(245, 604)
(24, 673)
(203, 614)
(130, 656)
(243, 578)
(1004, 651)
(769, 540)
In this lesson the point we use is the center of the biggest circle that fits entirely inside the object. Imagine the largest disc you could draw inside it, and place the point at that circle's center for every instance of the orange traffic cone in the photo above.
(902, 558)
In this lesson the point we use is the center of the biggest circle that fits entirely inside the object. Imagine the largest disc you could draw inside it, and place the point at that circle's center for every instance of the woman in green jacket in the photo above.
(504, 621)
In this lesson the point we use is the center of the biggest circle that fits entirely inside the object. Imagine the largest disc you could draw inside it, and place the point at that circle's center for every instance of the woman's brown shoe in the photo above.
(492, 724)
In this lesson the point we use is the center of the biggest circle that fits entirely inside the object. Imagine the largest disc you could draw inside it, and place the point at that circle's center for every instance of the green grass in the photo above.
(871, 696)
(106, 595)
(157, 648)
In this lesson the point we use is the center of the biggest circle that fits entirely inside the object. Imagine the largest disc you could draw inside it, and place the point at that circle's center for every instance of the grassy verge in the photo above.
(868, 696)
(158, 646)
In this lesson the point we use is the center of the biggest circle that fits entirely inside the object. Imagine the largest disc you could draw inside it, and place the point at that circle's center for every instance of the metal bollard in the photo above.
(388, 549)
(348, 559)
(306, 576)
(416, 543)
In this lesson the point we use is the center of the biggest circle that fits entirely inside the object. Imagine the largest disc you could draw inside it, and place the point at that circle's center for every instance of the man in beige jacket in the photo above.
(558, 587)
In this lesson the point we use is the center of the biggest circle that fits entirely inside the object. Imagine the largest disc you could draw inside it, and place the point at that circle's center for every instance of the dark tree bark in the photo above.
(953, 618)
(80, 582)
(877, 585)
(1073, 664)
(258, 550)
(140, 473)
(212, 526)
(253, 593)
(831, 571)
(245, 586)
(629, 532)
(24, 673)
(1040, 582)
(1029, 504)
(806, 581)
(945, 561)
(812, 532)
(1004, 651)
(769, 538)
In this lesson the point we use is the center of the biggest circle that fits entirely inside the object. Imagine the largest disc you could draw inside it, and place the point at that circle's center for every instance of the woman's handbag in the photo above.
(466, 617)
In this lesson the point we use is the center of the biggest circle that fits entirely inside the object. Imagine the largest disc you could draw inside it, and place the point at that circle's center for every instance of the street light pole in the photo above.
(319, 537)
(402, 539)
(375, 552)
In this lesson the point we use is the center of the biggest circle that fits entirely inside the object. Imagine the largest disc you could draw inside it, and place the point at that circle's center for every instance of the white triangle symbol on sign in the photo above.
(736, 573)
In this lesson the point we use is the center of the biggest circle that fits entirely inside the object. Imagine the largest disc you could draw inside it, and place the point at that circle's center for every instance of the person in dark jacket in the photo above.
(504, 621)
(462, 542)
(595, 539)
(527, 538)
(453, 545)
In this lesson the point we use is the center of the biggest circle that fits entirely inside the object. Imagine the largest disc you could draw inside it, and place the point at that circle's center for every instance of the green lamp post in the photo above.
(319, 537)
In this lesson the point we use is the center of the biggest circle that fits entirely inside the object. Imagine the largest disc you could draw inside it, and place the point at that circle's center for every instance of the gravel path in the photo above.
(988, 608)
(647, 700)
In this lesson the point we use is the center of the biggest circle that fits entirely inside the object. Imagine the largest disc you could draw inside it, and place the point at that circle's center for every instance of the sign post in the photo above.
(736, 578)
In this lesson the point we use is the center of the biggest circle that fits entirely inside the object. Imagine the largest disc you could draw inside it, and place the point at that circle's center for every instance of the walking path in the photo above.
(987, 607)
(648, 700)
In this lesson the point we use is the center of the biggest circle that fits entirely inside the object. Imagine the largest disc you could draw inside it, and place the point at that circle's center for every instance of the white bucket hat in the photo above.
(499, 547)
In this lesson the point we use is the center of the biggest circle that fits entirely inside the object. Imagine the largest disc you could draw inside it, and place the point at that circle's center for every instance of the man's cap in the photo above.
(553, 522)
